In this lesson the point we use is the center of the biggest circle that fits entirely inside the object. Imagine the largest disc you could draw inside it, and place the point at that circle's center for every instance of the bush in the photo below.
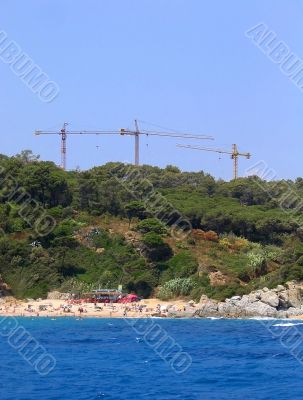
(183, 265)
(151, 225)
(56, 212)
(233, 243)
(295, 272)
(155, 248)
(260, 255)
(211, 236)
(65, 228)
(175, 288)
(141, 288)
(255, 259)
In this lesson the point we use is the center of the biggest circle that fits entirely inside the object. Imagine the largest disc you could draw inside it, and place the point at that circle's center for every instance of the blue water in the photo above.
(107, 359)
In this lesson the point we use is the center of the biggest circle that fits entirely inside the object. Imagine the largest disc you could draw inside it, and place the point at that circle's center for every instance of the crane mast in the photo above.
(63, 146)
(137, 133)
(235, 156)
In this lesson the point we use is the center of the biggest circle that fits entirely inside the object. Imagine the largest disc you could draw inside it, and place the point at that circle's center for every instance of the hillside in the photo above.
(116, 224)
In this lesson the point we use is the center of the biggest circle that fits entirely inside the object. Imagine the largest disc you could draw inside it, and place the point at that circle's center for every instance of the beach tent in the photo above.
(130, 298)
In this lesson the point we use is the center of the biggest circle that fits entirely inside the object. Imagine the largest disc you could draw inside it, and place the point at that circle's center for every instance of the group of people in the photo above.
(55, 308)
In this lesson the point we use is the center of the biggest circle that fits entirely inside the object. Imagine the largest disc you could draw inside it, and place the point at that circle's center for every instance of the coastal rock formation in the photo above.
(281, 302)
(58, 296)
(208, 307)
(270, 298)
(260, 309)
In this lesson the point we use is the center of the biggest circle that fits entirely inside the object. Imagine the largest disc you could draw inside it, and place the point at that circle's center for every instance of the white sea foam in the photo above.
(289, 324)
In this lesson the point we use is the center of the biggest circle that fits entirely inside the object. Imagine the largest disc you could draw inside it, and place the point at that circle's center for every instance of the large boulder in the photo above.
(259, 309)
(229, 309)
(291, 297)
(246, 300)
(254, 296)
(294, 297)
(283, 299)
(207, 307)
(271, 298)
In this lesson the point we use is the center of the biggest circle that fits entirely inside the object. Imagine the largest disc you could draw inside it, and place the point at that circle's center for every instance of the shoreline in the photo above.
(148, 308)
(63, 308)
(119, 317)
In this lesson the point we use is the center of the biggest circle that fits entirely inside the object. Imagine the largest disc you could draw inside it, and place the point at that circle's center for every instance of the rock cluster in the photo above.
(281, 302)
(58, 296)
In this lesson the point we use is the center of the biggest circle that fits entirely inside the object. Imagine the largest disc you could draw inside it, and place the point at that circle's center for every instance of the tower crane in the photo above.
(234, 153)
(123, 131)
(64, 133)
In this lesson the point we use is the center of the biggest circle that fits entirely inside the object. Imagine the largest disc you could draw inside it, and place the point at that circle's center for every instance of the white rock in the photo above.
(270, 298)
(260, 309)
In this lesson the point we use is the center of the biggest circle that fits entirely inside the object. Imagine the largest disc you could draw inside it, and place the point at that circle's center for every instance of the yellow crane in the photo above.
(234, 153)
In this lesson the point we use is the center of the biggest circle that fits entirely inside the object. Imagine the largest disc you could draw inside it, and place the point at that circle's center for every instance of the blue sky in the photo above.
(181, 64)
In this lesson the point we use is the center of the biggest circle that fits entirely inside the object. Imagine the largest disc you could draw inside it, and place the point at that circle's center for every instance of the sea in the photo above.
(157, 359)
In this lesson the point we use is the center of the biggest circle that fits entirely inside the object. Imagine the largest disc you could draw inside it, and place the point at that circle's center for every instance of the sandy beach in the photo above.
(62, 308)
(68, 308)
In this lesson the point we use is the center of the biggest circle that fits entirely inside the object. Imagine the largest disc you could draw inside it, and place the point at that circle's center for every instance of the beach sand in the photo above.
(58, 308)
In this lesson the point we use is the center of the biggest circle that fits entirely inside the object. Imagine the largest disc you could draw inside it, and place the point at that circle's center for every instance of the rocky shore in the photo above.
(285, 301)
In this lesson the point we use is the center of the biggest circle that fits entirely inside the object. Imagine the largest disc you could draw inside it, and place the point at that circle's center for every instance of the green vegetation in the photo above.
(110, 226)
(175, 288)
(151, 225)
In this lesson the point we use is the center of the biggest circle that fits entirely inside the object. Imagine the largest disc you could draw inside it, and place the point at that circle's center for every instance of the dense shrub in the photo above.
(155, 248)
(182, 265)
(233, 243)
(176, 287)
(151, 225)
